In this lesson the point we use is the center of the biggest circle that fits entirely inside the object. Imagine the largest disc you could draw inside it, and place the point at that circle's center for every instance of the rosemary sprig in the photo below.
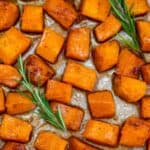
(39, 99)
(122, 12)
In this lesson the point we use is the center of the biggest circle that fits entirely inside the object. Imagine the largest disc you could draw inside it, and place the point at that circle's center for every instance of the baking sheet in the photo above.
(123, 109)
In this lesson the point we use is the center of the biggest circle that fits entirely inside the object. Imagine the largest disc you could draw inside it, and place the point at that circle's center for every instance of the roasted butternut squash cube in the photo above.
(101, 104)
(139, 7)
(38, 71)
(15, 129)
(145, 70)
(97, 9)
(129, 64)
(107, 29)
(130, 89)
(101, 132)
(58, 91)
(80, 76)
(62, 11)
(78, 43)
(76, 144)
(14, 146)
(143, 29)
(147, 123)
(54, 141)
(2, 100)
(105, 56)
(32, 19)
(134, 127)
(17, 103)
(50, 45)
(9, 76)
(145, 107)
(72, 115)
(12, 44)
(9, 13)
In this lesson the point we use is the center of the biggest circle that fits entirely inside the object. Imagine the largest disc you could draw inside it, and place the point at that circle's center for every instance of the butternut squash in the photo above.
(72, 115)
(13, 146)
(2, 101)
(101, 104)
(80, 76)
(12, 44)
(107, 29)
(129, 64)
(54, 141)
(145, 107)
(129, 89)
(17, 103)
(15, 129)
(105, 56)
(139, 7)
(38, 71)
(97, 9)
(9, 13)
(134, 127)
(32, 19)
(78, 43)
(145, 70)
(76, 144)
(143, 29)
(62, 11)
(102, 133)
(9, 76)
(50, 45)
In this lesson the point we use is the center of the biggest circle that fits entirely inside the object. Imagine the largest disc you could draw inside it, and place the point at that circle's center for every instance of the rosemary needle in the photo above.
(39, 99)
(122, 12)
